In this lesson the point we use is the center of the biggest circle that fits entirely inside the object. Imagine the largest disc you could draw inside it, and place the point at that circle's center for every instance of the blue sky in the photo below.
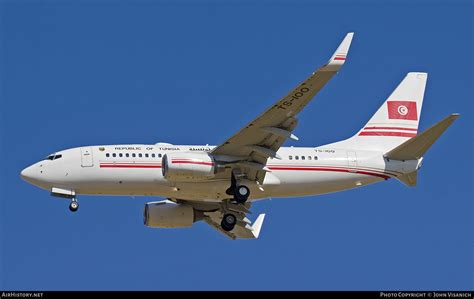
(77, 73)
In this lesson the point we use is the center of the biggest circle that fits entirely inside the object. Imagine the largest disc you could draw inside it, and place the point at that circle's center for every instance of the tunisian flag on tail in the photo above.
(402, 110)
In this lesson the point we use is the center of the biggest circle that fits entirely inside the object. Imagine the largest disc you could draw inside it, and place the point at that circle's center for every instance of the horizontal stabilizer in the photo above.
(408, 179)
(416, 147)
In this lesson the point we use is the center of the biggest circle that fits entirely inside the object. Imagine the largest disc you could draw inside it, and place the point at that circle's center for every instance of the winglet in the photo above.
(257, 225)
(339, 57)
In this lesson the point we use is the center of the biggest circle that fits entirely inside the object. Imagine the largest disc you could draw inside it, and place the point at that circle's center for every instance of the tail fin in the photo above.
(397, 119)
(416, 147)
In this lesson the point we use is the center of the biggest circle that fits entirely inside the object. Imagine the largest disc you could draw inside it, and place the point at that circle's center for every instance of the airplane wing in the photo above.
(212, 214)
(244, 229)
(250, 148)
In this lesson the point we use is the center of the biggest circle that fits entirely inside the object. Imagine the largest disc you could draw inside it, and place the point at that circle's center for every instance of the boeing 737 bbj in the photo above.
(217, 184)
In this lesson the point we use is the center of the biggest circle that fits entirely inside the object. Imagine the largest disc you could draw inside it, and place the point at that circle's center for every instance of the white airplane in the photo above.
(217, 184)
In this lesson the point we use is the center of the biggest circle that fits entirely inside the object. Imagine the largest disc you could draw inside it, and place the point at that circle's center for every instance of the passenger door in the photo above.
(351, 158)
(87, 159)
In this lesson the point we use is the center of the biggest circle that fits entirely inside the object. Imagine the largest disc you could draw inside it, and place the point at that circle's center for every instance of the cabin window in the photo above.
(140, 155)
(159, 155)
(309, 157)
(290, 157)
(297, 157)
(133, 155)
(120, 155)
(107, 155)
(152, 155)
(114, 155)
(146, 155)
(302, 157)
(315, 157)
(127, 155)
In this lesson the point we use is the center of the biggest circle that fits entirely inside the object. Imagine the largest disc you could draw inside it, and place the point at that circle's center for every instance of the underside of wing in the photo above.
(213, 214)
(226, 217)
(244, 229)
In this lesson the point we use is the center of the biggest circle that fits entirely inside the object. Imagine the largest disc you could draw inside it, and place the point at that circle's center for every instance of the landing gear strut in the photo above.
(228, 222)
(73, 206)
(240, 192)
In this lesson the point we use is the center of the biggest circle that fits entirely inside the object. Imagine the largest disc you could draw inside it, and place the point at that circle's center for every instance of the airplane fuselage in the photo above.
(136, 170)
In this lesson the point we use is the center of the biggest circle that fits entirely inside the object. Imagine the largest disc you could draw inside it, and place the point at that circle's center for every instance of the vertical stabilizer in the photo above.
(397, 119)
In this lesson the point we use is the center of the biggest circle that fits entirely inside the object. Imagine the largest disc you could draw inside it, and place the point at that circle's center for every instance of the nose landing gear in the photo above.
(66, 193)
(74, 205)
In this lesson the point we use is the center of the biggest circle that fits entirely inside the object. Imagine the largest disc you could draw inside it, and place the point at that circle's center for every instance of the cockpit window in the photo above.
(53, 157)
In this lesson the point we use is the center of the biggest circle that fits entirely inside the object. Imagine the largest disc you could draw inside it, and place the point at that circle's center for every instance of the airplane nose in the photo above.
(27, 174)
(35, 175)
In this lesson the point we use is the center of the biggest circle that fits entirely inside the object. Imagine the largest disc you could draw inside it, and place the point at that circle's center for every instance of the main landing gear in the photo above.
(240, 192)
(74, 205)
(236, 205)
(228, 222)
(233, 213)
(235, 209)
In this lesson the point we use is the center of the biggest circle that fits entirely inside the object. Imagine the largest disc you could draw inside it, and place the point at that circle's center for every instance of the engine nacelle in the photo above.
(182, 167)
(168, 215)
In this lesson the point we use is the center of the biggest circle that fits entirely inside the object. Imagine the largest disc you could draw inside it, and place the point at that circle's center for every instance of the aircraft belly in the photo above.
(121, 182)
(305, 183)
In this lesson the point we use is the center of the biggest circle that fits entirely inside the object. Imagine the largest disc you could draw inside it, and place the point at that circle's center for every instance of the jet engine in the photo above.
(166, 214)
(185, 167)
